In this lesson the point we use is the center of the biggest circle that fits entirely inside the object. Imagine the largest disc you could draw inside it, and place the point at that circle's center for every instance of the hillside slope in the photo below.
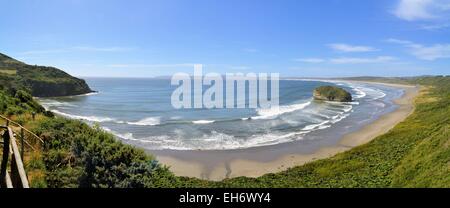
(40, 81)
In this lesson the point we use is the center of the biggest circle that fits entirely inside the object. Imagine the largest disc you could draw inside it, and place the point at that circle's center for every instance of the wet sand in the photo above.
(254, 162)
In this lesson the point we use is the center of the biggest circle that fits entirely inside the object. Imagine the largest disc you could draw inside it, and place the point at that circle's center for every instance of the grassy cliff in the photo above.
(40, 81)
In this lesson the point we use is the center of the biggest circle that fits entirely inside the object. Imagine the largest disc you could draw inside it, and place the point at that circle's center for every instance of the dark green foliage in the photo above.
(27, 101)
(77, 155)
(19, 103)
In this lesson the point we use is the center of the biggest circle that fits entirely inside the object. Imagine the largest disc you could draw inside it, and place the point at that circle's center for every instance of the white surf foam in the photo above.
(314, 126)
(381, 95)
(372, 93)
(203, 121)
(87, 118)
(47, 103)
(150, 121)
(274, 112)
(221, 141)
(88, 94)
(341, 103)
(359, 92)
(213, 141)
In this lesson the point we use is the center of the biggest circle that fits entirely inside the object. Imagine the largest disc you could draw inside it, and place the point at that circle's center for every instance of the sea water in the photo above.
(138, 111)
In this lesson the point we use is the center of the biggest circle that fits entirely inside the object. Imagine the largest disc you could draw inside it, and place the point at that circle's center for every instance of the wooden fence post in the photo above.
(4, 164)
(21, 142)
(18, 174)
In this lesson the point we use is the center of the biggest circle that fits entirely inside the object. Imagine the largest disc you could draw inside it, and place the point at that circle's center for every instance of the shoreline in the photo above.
(255, 167)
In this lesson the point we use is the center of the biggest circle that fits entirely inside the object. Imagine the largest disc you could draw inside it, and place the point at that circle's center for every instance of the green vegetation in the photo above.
(332, 93)
(20, 103)
(415, 153)
(74, 154)
(39, 81)
(77, 155)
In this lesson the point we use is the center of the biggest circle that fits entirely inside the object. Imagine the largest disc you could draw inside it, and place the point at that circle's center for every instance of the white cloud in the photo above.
(429, 53)
(310, 60)
(412, 10)
(352, 60)
(403, 42)
(342, 47)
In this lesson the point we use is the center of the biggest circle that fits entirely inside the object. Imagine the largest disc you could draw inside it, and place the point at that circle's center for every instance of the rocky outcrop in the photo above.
(54, 89)
(332, 93)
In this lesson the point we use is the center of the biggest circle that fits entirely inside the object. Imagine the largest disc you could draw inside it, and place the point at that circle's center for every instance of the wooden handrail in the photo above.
(20, 126)
(17, 163)
(4, 176)
(8, 181)
(27, 143)
(18, 177)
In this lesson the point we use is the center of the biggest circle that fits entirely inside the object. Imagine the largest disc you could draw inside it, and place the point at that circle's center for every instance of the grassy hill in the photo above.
(40, 81)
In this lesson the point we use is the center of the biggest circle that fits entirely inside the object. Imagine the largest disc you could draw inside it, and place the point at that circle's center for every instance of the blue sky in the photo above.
(320, 38)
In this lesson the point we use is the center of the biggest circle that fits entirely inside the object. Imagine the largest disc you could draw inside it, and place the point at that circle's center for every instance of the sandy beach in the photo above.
(255, 164)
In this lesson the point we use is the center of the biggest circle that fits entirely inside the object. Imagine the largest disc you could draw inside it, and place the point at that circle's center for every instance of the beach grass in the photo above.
(8, 71)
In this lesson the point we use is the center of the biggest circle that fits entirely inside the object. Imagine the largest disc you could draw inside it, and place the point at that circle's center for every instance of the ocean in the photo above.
(139, 112)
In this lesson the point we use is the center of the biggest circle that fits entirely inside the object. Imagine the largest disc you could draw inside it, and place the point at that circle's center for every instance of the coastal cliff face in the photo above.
(331, 93)
(40, 81)
(54, 89)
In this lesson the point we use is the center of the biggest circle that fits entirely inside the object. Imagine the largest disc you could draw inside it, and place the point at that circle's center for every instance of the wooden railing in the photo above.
(15, 176)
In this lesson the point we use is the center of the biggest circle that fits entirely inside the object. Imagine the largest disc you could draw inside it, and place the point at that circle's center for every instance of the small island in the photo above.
(332, 93)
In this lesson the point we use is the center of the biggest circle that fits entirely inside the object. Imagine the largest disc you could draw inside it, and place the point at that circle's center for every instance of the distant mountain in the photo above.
(40, 81)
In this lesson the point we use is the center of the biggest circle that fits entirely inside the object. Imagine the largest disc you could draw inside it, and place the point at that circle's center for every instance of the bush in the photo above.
(77, 155)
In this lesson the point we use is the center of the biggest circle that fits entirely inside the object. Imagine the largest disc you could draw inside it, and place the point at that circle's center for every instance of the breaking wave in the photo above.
(203, 121)
(274, 112)
(150, 121)
(86, 118)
